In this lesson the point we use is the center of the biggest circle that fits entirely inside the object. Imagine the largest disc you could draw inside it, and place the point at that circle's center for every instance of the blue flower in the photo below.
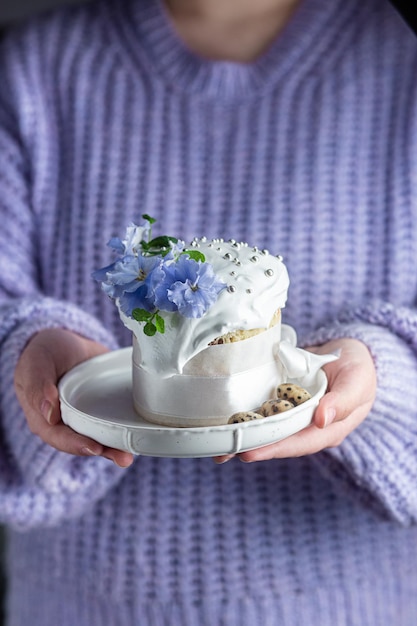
(159, 283)
(194, 287)
(157, 275)
(128, 279)
(130, 300)
(131, 244)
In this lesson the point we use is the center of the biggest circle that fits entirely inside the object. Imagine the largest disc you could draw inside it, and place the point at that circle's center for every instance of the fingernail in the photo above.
(120, 465)
(329, 416)
(89, 452)
(110, 458)
(46, 410)
(221, 460)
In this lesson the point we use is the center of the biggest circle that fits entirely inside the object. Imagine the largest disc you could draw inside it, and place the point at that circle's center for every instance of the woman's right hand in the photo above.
(46, 358)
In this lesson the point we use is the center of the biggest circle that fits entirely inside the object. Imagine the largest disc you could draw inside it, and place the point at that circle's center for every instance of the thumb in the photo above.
(35, 383)
(333, 407)
(47, 356)
(351, 385)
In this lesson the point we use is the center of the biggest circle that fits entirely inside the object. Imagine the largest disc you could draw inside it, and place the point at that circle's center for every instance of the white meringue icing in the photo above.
(257, 284)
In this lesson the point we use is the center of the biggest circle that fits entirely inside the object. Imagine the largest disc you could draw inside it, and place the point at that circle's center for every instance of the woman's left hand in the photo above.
(350, 395)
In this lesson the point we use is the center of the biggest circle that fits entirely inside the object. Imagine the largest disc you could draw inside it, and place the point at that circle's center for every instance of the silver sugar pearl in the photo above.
(269, 272)
(248, 290)
(265, 251)
(236, 245)
(231, 289)
(227, 256)
(279, 257)
(203, 239)
(237, 262)
(254, 258)
(232, 273)
(232, 241)
(193, 243)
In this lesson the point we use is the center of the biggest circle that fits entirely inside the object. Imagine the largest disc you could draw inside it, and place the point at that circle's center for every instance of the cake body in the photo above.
(218, 382)
(202, 368)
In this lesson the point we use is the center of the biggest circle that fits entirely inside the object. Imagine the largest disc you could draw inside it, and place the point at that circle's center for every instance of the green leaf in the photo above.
(148, 218)
(141, 315)
(195, 254)
(149, 329)
(162, 242)
(159, 324)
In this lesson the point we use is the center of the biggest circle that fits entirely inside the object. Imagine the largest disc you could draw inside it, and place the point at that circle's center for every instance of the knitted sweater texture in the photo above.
(311, 152)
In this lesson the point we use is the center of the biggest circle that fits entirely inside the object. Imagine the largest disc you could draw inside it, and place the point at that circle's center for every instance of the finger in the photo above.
(219, 460)
(331, 408)
(119, 457)
(347, 394)
(303, 442)
(35, 387)
(308, 441)
(49, 403)
(64, 439)
(45, 359)
(351, 382)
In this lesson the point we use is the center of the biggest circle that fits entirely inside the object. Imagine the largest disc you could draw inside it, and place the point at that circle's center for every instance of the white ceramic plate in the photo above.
(96, 400)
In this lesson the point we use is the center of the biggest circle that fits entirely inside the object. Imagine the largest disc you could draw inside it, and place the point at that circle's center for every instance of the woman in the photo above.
(286, 124)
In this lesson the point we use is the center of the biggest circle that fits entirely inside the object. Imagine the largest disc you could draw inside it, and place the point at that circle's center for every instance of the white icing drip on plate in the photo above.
(257, 285)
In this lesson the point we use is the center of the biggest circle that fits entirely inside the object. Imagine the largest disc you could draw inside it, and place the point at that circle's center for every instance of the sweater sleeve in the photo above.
(38, 485)
(377, 462)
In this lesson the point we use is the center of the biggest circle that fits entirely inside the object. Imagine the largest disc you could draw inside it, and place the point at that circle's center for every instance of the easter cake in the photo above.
(206, 324)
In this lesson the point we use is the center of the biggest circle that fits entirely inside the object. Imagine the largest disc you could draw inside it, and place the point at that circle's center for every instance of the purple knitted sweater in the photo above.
(310, 151)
